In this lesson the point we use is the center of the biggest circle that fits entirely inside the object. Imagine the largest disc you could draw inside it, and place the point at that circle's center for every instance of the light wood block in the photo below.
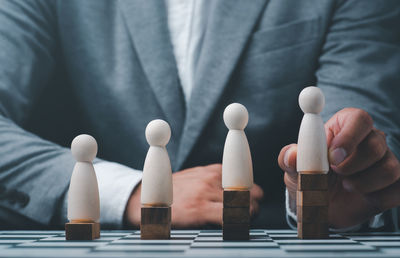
(236, 199)
(155, 223)
(82, 231)
(312, 198)
(312, 230)
(312, 182)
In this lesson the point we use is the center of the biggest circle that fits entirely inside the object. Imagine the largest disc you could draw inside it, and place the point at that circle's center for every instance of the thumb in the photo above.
(345, 131)
(287, 159)
(287, 162)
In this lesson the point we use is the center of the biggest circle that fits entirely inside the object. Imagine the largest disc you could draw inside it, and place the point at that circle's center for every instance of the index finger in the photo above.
(345, 131)
(256, 192)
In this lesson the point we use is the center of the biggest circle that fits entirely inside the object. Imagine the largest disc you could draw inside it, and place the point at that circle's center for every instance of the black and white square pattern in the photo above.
(198, 243)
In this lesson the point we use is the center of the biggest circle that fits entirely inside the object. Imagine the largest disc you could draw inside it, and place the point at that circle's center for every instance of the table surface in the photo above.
(198, 243)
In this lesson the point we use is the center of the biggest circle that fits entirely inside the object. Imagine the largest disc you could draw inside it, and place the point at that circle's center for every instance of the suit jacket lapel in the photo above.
(229, 26)
(147, 23)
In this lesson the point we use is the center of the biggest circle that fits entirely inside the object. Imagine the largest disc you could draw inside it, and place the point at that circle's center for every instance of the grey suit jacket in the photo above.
(107, 68)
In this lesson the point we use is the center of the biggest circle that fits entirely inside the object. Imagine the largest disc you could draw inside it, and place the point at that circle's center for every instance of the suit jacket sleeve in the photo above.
(34, 173)
(360, 64)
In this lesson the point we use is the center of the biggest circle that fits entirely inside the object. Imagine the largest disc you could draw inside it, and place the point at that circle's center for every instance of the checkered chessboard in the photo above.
(198, 243)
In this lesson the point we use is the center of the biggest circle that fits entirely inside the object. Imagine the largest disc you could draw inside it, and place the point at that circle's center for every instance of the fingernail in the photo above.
(347, 185)
(337, 156)
(286, 157)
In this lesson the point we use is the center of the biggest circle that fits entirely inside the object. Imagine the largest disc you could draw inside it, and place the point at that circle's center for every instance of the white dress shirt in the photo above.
(187, 24)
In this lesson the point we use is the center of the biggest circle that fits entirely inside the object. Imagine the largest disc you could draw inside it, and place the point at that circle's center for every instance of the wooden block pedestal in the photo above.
(82, 230)
(236, 215)
(312, 206)
(155, 223)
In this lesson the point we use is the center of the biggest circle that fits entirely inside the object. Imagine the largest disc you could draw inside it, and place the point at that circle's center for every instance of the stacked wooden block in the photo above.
(82, 230)
(312, 206)
(236, 215)
(155, 223)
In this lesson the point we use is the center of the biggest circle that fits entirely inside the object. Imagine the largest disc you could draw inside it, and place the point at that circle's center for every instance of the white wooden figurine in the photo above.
(83, 194)
(312, 151)
(237, 167)
(157, 172)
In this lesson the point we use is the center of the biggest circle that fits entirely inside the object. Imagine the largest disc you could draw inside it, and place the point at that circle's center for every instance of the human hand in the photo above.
(364, 177)
(198, 197)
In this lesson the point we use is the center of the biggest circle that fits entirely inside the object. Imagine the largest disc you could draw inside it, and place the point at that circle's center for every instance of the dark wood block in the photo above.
(155, 223)
(155, 231)
(97, 229)
(82, 231)
(235, 231)
(312, 182)
(236, 215)
(312, 230)
(312, 198)
(310, 214)
(155, 215)
(236, 198)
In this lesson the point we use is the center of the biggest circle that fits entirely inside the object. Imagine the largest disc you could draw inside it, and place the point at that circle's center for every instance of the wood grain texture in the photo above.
(155, 223)
(97, 229)
(312, 230)
(312, 182)
(82, 231)
(312, 198)
(310, 214)
(155, 215)
(236, 199)
(236, 231)
(236, 215)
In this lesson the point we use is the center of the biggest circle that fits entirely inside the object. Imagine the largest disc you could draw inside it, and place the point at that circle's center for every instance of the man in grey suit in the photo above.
(107, 68)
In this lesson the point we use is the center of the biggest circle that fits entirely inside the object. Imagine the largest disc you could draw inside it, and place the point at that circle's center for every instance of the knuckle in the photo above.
(211, 178)
(290, 182)
(376, 146)
(216, 176)
(192, 207)
(281, 158)
(363, 116)
(282, 154)
(381, 133)
(204, 186)
(196, 199)
(391, 165)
